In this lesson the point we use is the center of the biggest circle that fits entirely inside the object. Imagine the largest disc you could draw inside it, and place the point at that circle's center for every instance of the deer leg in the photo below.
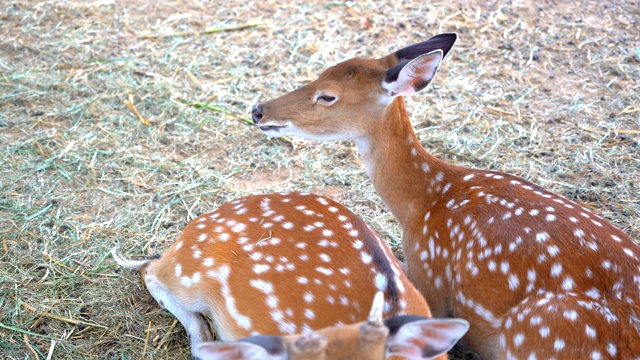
(193, 322)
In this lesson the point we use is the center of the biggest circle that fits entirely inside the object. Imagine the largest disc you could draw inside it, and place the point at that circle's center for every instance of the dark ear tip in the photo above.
(395, 323)
(451, 37)
(444, 42)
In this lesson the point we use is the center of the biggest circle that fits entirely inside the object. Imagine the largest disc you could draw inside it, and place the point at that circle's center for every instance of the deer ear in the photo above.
(411, 77)
(442, 42)
(426, 339)
(415, 65)
(236, 350)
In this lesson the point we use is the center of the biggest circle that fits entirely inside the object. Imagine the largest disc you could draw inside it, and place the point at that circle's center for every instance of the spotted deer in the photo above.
(407, 336)
(276, 264)
(537, 275)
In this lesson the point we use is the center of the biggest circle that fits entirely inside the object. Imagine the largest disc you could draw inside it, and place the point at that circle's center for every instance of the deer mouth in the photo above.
(266, 128)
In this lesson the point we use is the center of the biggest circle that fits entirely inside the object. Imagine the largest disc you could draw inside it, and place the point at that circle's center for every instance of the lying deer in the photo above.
(537, 275)
(408, 336)
(276, 264)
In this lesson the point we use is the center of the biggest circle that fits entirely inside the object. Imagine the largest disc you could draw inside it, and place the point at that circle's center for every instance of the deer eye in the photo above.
(325, 99)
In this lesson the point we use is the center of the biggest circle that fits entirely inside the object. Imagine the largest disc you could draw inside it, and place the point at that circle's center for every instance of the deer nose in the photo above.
(257, 114)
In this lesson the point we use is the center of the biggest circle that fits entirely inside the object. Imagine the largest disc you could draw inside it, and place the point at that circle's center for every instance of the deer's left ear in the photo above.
(410, 77)
(232, 350)
(444, 42)
(413, 67)
(253, 348)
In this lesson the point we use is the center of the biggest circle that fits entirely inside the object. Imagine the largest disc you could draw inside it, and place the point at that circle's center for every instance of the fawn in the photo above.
(276, 264)
(412, 337)
(536, 275)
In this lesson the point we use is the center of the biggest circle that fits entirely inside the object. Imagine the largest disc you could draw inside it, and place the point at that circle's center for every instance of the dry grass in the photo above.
(549, 92)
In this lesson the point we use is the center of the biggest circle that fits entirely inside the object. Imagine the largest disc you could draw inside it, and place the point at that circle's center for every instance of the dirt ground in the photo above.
(121, 121)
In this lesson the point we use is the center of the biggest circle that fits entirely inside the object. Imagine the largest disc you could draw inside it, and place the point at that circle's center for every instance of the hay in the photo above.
(106, 140)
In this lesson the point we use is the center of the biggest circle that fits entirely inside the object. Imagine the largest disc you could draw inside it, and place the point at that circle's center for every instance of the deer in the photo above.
(537, 275)
(408, 336)
(278, 264)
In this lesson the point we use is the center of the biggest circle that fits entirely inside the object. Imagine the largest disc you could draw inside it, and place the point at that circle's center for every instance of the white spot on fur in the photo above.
(222, 275)
(513, 282)
(308, 297)
(568, 283)
(265, 287)
(381, 282)
(324, 270)
(261, 268)
(542, 236)
(518, 340)
(239, 227)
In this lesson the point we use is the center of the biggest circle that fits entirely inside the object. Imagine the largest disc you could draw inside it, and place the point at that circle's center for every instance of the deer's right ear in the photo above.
(426, 339)
(242, 350)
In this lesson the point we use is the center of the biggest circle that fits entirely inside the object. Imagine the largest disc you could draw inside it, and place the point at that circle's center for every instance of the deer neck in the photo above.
(408, 179)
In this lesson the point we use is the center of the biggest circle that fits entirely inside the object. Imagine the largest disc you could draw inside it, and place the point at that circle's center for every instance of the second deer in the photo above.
(276, 264)
(537, 275)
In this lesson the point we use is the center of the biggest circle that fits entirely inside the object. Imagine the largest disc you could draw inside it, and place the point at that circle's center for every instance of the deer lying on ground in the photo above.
(276, 264)
(536, 275)
(411, 337)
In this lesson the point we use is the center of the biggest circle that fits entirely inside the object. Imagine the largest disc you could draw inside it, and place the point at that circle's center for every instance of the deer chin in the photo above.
(279, 128)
